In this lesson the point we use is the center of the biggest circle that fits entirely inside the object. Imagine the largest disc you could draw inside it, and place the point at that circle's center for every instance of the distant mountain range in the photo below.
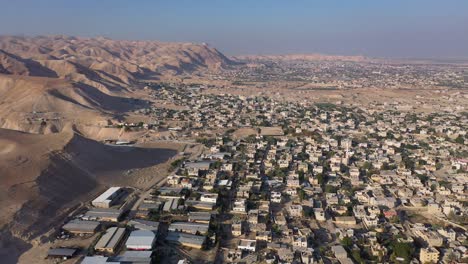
(63, 56)
(87, 77)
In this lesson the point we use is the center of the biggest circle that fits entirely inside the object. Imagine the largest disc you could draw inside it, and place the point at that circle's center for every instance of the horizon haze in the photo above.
(391, 29)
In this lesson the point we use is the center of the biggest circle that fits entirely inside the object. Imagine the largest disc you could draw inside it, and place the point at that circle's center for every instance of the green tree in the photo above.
(302, 195)
(402, 250)
(347, 242)
(460, 140)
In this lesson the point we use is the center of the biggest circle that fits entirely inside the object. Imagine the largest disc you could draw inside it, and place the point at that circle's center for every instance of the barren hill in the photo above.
(44, 176)
(70, 80)
(120, 59)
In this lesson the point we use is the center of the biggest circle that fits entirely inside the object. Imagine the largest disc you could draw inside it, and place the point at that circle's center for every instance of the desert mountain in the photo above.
(45, 176)
(64, 79)
(119, 60)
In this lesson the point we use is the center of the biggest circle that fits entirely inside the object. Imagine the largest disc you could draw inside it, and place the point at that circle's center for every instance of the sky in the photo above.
(375, 28)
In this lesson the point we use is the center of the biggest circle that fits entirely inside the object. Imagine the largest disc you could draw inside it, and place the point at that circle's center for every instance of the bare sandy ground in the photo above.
(244, 132)
(6, 147)
(38, 253)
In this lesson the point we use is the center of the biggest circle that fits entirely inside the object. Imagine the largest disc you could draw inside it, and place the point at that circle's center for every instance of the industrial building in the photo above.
(97, 260)
(108, 198)
(111, 240)
(63, 253)
(140, 240)
(171, 204)
(200, 205)
(189, 227)
(103, 214)
(200, 217)
(77, 226)
(150, 206)
(145, 225)
(187, 240)
(139, 257)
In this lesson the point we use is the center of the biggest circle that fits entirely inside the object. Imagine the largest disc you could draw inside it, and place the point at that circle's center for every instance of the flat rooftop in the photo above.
(105, 195)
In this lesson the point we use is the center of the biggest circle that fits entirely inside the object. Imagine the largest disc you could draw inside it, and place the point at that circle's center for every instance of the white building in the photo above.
(275, 197)
(141, 240)
(247, 245)
(107, 198)
(319, 214)
(209, 197)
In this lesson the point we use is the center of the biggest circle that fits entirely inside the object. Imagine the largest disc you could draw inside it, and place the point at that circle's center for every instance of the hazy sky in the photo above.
(384, 28)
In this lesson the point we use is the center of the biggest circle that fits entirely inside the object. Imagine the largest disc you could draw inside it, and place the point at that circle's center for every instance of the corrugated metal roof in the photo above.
(111, 238)
(204, 216)
(145, 225)
(97, 260)
(103, 213)
(189, 226)
(58, 252)
(185, 238)
(81, 226)
(141, 238)
(139, 257)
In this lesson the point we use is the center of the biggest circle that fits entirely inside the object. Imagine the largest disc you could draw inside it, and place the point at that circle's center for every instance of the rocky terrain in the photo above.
(86, 80)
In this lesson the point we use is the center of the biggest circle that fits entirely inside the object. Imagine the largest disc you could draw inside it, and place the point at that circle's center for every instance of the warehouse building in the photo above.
(156, 206)
(108, 198)
(111, 240)
(141, 240)
(103, 214)
(97, 260)
(77, 226)
(171, 204)
(140, 257)
(63, 253)
(200, 205)
(200, 217)
(189, 227)
(187, 240)
(144, 225)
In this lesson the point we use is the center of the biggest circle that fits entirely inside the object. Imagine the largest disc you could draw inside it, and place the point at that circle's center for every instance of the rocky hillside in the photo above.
(75, 80)
(101, 58)
(44, 177)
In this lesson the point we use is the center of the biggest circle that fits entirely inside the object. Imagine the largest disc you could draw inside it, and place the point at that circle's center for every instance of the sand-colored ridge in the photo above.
(45, 175)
